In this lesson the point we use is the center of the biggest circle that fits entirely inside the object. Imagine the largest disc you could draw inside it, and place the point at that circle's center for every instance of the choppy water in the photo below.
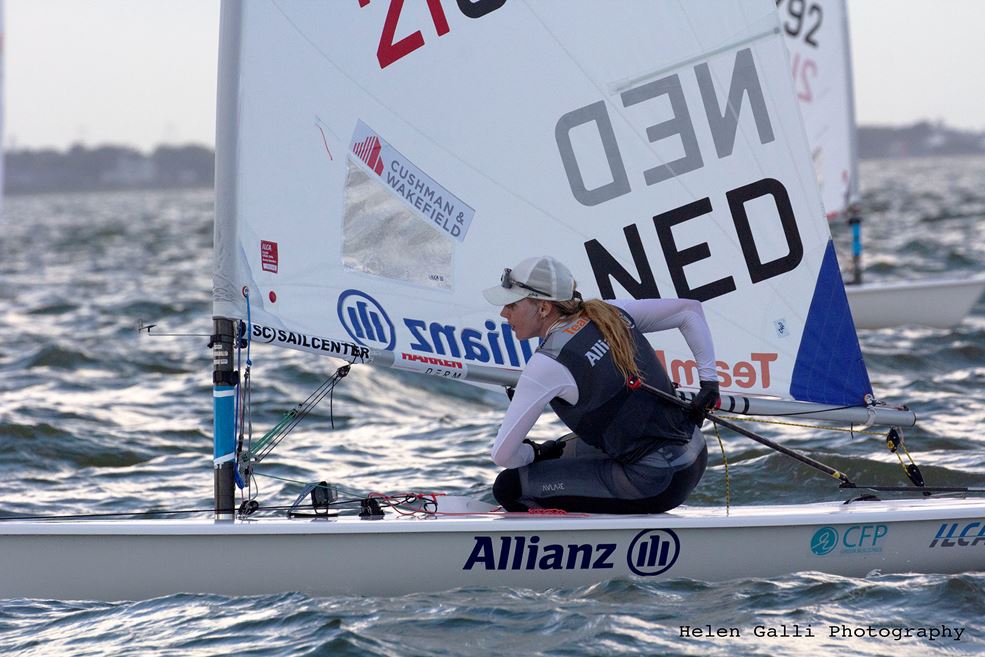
(93, 419)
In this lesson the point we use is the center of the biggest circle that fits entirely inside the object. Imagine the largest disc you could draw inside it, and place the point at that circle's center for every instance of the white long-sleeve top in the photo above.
(544, 378)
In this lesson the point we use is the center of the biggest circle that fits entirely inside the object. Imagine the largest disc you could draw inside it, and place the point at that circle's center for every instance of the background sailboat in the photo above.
(817, 38)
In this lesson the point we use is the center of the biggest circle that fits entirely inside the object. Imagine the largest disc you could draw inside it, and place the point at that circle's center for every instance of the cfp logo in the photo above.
(855, 539)
(365, 320)
(824, 540)
(653, 551)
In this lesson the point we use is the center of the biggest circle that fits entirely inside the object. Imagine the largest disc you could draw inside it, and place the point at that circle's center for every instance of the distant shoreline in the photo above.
(113, 168)
(107, 168)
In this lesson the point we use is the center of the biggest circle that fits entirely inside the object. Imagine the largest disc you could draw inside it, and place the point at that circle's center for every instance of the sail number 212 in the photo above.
(392, 49)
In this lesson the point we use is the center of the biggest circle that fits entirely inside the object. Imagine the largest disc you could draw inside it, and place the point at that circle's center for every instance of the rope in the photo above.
(728, 482)
(292, 418)
(244, 404)
(907, 470)
(290, 481)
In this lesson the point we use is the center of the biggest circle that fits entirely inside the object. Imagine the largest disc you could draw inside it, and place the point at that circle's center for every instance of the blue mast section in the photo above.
(224, 381)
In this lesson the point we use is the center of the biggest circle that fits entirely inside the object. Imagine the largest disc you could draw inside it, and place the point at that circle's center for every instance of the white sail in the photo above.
(379, 163)
(821, 62)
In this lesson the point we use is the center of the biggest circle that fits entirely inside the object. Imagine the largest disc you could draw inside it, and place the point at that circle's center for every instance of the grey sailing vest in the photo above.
(625, 424)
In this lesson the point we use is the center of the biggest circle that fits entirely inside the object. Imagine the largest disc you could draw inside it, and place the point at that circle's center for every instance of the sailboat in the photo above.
(820, 56)
(377, 163)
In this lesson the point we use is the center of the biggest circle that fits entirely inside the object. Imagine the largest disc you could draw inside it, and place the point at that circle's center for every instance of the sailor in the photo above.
(629, 452)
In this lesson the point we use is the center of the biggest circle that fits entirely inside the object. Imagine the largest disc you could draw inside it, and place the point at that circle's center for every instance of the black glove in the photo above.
(549, 449)
(705, 400)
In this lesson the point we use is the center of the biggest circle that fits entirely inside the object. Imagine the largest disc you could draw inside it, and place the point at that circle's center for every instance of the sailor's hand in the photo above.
(705, 400)
(549, 449)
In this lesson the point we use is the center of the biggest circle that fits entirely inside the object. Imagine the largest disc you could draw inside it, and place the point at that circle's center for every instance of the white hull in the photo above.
(142, 559)
(940, 303)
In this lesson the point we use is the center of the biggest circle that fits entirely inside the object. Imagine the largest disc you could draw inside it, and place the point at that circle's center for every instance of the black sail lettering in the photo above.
(737, 198)
(677, 259)
(604, 266)
(479, 8)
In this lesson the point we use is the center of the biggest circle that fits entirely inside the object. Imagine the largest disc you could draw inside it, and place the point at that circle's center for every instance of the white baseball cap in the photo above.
(542, 277)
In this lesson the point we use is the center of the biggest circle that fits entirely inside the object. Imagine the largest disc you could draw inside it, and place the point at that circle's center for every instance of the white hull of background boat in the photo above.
(116, 560)
(938, 303)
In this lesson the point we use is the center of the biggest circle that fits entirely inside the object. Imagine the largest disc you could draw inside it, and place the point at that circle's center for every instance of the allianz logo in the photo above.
(366, 322)
(651, 552)
(856, 539)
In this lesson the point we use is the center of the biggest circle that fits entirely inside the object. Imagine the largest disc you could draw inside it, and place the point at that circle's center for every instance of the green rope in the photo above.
(267, 437)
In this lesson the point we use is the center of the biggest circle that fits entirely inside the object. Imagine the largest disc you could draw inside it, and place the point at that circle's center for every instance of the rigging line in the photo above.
(242, 386)
(298, 410)
(304, 408)
(291, 481)
(331, 396)
(635, 383)
(728, 483)
(146, 330)
(294, 417)
(461, 160)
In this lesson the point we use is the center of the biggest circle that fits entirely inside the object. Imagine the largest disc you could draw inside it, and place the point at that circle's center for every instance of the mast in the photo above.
(224, 384)
(853, 193)
(224, 376)
(852, 209)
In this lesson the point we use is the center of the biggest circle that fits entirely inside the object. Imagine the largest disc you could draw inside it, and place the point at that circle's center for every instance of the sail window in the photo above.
(382, 236)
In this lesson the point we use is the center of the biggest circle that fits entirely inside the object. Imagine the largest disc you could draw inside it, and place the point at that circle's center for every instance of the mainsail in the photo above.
(379, 163)
(821, 62)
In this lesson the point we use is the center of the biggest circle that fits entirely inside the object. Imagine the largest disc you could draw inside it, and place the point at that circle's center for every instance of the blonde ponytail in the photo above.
(612, 325)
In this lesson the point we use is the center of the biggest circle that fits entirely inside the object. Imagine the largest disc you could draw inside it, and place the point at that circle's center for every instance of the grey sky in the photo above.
(142, 72)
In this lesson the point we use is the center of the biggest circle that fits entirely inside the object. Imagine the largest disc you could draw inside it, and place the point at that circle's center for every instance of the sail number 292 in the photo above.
(801, 16)
(391, 49)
